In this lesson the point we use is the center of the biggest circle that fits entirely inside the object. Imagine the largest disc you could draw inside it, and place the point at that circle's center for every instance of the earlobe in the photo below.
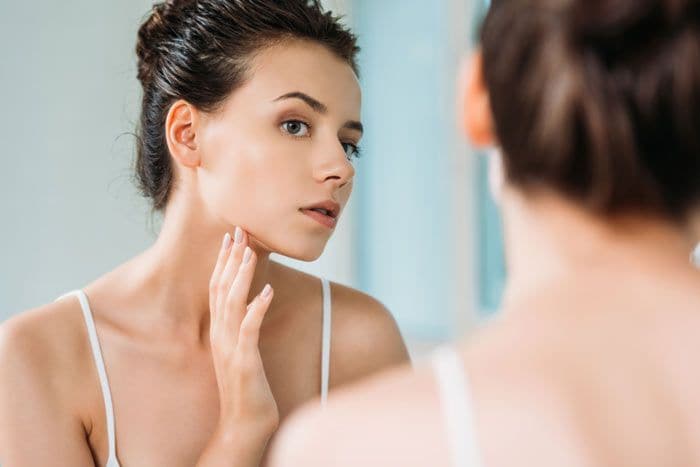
(181, 133)
(476, 114)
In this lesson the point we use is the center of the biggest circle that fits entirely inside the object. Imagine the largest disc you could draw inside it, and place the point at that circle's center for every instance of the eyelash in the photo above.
(356, 150)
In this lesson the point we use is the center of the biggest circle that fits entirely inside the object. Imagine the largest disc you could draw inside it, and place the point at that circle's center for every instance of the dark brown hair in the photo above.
(199, 50)
(599, 100)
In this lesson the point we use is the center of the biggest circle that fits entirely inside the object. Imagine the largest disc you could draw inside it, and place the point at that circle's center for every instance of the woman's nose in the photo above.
(333, 164)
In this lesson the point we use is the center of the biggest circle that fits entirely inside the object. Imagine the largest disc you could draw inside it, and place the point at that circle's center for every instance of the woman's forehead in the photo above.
(308, 68)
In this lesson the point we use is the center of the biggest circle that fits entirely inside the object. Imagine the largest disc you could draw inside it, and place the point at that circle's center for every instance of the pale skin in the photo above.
(202, 361)
(590, 362)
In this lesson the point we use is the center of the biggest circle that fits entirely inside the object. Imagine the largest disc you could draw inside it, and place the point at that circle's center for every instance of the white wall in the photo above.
(69, 96)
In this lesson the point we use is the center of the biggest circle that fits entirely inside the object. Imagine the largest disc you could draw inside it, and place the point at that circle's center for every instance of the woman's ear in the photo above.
(477, 120)
(181, 125)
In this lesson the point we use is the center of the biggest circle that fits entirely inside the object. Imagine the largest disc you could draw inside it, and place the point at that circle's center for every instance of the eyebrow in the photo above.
(319, 107)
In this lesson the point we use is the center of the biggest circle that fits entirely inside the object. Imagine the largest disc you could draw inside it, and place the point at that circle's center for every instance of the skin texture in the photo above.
(589, 363)
(191, 383)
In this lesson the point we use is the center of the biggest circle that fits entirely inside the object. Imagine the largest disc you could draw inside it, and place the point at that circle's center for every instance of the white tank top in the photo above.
(104, 381)
(456, 408)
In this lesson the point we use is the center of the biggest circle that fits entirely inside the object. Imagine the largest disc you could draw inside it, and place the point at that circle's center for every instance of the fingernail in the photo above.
(239, 235)
(246, 256)
(227, 241)
(266, 291)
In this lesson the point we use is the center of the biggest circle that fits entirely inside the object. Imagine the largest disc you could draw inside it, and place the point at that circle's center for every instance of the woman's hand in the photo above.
(248, 411)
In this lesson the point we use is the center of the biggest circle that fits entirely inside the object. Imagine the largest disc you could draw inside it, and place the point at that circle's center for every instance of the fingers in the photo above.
(237, 298)
(229, 290)
(249, 334)
(218, 269)
(240, 243)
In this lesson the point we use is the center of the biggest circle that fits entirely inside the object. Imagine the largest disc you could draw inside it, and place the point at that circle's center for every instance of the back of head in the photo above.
(599, 100)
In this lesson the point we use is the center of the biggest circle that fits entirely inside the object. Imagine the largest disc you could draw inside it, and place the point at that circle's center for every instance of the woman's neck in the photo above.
(177, 269)
(548, 238)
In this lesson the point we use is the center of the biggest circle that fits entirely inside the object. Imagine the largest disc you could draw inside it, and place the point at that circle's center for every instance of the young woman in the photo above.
(194, 351)
(595, 105)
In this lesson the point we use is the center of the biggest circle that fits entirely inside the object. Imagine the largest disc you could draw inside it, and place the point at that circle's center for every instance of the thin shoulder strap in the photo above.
(101, 372)
(326, 343)
(457, 411)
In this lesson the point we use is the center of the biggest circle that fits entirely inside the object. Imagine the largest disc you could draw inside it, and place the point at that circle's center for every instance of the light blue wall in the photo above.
(491, 271)
(69, 93)
(403, 191)
(404, 218)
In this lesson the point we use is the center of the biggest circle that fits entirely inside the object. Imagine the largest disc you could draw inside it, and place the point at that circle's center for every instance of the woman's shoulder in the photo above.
(359, 309)
(406, 403)
(387, 419)
(365, 335)
(44, 394)
(46, 343)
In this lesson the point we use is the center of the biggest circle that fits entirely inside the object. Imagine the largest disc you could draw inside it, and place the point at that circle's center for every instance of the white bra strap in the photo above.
(326, 344)
(456, 407)
(101, 372)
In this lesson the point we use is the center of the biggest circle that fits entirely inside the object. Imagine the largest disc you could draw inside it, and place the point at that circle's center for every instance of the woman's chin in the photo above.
(306, 253)
(304, 248)
(307, 256)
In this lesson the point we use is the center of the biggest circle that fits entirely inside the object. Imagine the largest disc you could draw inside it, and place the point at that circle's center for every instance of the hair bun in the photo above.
(613, 27)
(608, 26)
(151, 35)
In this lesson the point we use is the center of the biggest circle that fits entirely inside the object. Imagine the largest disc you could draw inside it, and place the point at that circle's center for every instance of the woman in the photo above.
(248, 131)
(595, 106)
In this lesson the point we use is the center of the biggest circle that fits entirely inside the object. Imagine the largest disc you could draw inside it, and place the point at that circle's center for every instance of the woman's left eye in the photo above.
(295, 128)
(352, 151)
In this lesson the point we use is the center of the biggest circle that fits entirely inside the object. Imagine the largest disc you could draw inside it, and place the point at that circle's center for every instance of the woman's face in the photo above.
(283, 144)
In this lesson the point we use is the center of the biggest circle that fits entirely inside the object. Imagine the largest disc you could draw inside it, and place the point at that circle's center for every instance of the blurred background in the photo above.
(421, 233)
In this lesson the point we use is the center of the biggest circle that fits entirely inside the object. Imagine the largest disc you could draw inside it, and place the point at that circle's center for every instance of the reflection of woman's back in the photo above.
(595, 105)
(603, 176)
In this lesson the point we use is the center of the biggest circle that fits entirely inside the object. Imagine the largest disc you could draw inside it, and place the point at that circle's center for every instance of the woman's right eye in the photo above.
(295, 128)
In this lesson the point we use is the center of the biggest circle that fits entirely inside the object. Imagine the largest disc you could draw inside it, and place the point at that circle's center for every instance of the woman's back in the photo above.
(596, 370)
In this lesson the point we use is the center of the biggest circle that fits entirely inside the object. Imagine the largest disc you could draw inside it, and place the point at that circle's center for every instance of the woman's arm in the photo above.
(38, 426)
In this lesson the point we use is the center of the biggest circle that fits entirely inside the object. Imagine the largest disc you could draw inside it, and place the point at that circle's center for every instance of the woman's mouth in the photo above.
(325, 213)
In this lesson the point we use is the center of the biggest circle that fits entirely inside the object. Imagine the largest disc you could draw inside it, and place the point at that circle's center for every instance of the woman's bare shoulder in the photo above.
(365, 335)
(396, 418)
(353, 311)
(49, 341)
(388, 419)
(43, 395)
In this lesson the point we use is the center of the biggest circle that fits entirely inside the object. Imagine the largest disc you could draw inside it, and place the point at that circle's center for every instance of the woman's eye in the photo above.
(351, 151)
(295, 128)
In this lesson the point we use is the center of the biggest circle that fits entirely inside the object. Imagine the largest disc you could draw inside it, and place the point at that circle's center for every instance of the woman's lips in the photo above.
(326, 221)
